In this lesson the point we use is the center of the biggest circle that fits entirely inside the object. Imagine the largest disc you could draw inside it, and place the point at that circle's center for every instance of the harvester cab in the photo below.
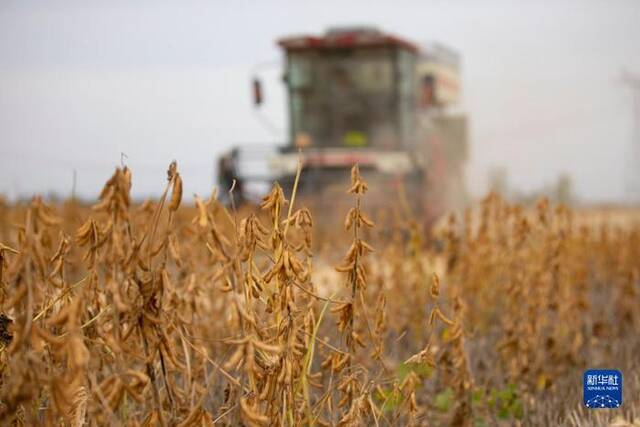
(358, 95)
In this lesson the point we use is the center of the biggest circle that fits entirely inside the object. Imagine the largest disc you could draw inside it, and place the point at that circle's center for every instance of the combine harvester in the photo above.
(359, 95)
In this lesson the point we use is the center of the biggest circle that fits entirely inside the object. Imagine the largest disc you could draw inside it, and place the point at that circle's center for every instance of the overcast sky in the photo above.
(83, 81)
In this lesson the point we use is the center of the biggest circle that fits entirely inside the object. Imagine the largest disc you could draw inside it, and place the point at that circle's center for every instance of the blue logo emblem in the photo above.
(602, 388)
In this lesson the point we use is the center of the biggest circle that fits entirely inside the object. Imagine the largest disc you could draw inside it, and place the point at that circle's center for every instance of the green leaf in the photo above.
(503, 413)
(390, 400)
(517, 410)
(477, 396)
(443, 400)
(421, 369)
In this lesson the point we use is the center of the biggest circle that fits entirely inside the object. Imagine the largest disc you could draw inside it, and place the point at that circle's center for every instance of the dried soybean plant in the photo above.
(350, 385)
(167, 313)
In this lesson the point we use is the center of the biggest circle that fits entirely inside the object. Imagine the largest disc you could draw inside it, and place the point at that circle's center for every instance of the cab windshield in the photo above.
(343, 97)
